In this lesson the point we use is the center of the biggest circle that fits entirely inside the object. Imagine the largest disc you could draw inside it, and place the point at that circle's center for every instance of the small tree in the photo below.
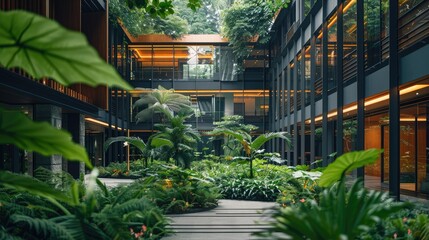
(251, 148)
(233, 123)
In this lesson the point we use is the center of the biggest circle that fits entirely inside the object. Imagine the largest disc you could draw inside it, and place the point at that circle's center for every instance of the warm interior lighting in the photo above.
(100, 123)
(373, 101)
(333, 20)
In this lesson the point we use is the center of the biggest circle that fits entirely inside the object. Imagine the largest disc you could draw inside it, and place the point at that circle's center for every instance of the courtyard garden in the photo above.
(172, 175)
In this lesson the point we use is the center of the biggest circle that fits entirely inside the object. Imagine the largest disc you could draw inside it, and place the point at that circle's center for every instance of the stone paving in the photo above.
(231, 220)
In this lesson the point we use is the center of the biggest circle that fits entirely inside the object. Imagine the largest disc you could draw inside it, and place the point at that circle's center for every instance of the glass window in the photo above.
(318, 86)
(291, 90)
(332, 52)
(376, 31)
(349, 39)
(307, 7)
(298, 81)
(307, 74)
(163, 60)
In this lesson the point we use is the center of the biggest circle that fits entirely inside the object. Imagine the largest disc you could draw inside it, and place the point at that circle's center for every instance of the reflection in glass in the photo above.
(376, 30)
(307, 74)
(332, 52)
(298, 81)
(349, 39)
(291, 90)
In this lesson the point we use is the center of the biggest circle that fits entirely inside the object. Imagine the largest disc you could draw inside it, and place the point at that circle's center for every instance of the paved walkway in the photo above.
(231, 220)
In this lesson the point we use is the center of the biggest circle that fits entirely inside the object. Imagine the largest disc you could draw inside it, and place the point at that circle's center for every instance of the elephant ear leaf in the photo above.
(41, 137)
(346, 163)
(43, 48)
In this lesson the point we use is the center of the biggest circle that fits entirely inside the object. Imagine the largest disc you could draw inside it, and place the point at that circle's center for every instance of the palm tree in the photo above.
(251, 147)
(179, 140)
(161, 100)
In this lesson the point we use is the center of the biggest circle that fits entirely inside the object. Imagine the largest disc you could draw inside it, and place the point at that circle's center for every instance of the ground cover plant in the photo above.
(173, 189)
(55, 206)
(270, 182)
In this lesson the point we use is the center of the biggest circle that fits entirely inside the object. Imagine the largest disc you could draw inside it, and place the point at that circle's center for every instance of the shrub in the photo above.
(173, 189)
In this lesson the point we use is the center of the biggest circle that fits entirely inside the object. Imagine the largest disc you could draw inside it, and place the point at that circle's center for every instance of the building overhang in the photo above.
(16, 89)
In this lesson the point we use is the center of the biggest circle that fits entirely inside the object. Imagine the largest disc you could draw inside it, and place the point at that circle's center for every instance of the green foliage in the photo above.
(45, 49)
(250, 189)
(161, 101)
(77, 212)
(346, 163)
(231, 145)
(410, 223)
(148, 17)
(177, 140)
(173, 189)
(204, 20)
(251, 148)
(135, 141)
(16, 128)
(339, 214)
(270, 181)
(246, 20)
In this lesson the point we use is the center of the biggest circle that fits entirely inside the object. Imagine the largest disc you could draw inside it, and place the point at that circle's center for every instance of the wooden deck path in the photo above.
(231, 220)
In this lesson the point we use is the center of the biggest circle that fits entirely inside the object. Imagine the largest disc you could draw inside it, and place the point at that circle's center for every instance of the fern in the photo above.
(6, 235)
(41, 228)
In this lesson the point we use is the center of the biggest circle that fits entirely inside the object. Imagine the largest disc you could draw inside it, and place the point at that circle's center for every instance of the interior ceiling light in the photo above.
(100, 122)
(373, 101)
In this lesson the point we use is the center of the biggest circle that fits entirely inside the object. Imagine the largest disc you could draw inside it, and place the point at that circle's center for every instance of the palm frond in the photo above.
(135, 141)
(262, 139)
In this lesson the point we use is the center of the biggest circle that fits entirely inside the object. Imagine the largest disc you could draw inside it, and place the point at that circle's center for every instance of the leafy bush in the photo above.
(270, 181)
(32, 209)
(173, 189)
(120, 170)
(339, 213)
(249, 189)
(409, 223)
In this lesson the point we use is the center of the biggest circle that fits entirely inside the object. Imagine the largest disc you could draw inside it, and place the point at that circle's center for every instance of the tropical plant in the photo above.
(72, 211)
(173, 189)
(176, 139)
(251, 148)
(339, 213)
(134, 141)
(250, 189)
(231, 145)
(161, 101)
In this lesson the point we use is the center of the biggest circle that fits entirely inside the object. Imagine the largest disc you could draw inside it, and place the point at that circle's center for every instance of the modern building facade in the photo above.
(201, 67)
(87, 113)
(350, 75)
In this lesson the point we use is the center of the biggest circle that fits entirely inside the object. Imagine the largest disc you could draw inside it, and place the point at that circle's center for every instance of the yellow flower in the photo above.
(167, 183)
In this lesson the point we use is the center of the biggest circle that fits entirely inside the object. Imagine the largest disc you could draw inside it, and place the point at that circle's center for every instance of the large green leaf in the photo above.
(160, 142)
(33, 186)
(41, 137)
(135, 141)
(259, 141)
(346, 163)
(45, 49)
